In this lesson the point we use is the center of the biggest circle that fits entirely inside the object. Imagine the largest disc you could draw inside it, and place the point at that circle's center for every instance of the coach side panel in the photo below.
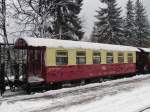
(73, 71)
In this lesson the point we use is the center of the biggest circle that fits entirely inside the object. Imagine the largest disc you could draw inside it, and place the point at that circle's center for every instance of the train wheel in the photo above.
(1, 92)
(56, 86)
(82, 82)
(13, 88)
(76, 83)
(28, 89)
(87, 81)
(101, 80)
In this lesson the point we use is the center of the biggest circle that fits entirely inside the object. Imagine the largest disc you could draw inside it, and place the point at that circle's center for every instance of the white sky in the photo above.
(89, 7)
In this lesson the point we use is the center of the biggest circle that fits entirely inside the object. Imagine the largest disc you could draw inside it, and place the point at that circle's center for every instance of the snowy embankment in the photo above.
(133, 101)
(124, 95)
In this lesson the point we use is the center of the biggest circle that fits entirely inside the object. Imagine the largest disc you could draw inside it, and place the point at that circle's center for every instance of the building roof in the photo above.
(55, 43)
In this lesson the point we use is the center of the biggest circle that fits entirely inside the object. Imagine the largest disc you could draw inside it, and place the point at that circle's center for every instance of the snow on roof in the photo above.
(146, 49)
(55, 43)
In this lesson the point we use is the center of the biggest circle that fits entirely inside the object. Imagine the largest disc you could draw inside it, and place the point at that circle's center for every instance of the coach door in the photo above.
(142, 61)
(35, 62)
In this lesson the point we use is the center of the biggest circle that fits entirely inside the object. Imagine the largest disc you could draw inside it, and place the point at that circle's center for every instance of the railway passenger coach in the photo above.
(50, 61)
(143, 60)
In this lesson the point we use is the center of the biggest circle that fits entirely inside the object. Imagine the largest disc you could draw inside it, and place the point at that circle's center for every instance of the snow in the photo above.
(10, 41)
(148, 110)
(35, 79)
(146, 49)
(54, 43)
(132, 100)
(124, 102)
(1, 39)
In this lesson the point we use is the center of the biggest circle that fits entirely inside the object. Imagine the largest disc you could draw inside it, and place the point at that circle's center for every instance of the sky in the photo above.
(90, 6)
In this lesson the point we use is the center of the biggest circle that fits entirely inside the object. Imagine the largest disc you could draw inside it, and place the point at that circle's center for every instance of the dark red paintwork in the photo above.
(35, 65)
(75, 72)
(35, 58)
(142, 61)
(20, 44)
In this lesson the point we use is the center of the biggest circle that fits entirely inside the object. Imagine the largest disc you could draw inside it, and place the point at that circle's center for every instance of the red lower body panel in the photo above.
(75, 72)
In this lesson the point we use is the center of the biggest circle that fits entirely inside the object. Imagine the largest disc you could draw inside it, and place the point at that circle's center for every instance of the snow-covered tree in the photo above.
(34, 15)
(3, 31)
(94, 35)
(108, 28)
(142, 25)
(67, 24)
(6, 67)
(129, 27)
(50, 18)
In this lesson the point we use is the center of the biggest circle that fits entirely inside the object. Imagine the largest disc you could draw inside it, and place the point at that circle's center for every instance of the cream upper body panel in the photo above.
(50, 56)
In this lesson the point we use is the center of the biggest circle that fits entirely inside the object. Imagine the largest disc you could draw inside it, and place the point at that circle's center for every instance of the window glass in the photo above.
(36, 54)
(61, 58)
(96, 57)
(109, 57)
(130, 58)
(81, 57)
(120, 57)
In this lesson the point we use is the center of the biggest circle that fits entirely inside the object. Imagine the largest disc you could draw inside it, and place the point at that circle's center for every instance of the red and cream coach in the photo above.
(53, 62)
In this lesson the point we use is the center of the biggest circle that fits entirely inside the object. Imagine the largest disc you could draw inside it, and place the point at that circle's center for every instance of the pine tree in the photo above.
(142, 25)
(94, 36)
(50, 18)
(129, 27)
(108, 28)
(67, 24)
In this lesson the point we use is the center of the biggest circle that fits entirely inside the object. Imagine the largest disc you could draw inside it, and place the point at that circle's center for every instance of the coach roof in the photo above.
(55, 43)
(145, 49)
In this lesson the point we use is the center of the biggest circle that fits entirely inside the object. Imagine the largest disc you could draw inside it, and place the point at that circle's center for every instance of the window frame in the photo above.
(61, 57)
(108, 56)
(130, 57)
(78, 57)
(121, 56)
(96, 56)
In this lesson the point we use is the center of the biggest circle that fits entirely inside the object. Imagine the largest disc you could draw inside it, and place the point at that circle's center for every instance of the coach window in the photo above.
(121, 57)
(96, 57)
(36, 54)
(109, 57)
(61, 58)
(81, 57)
(130, 58)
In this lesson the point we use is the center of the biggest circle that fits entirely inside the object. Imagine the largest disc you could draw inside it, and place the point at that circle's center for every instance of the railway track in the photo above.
(147, 109)
(86, 97)
(93, 94)
(74, 91)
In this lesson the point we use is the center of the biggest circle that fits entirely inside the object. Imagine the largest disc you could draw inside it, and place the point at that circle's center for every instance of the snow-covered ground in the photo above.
(124, 95)
(133, 101)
